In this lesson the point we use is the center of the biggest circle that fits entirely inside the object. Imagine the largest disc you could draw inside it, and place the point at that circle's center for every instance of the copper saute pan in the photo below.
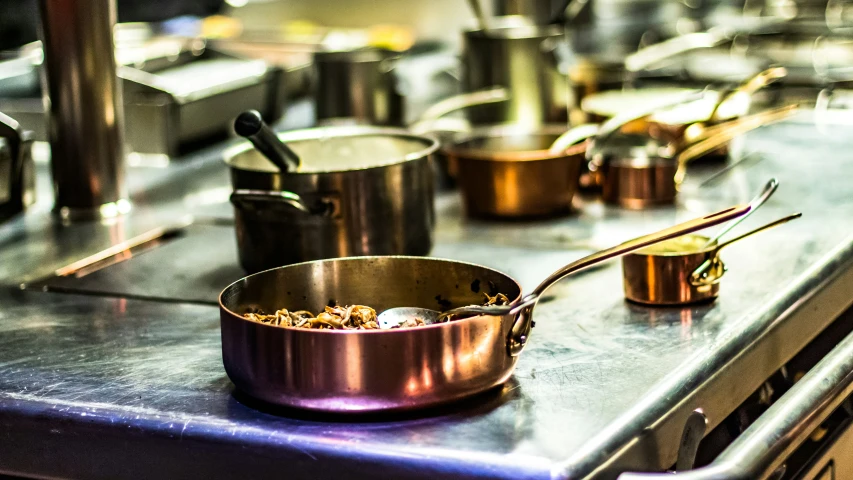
(371, 370)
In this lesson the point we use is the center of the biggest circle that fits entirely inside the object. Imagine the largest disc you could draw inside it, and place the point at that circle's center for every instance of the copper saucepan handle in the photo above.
(520, 330)
(712, 269)
(719, 135)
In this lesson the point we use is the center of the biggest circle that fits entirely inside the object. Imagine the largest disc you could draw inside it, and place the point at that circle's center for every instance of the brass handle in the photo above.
(748, 88)
(712, 269)
(717, 136)
(612, 125)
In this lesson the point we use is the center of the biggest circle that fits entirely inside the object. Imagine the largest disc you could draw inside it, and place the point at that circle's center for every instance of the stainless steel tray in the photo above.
(172, 96)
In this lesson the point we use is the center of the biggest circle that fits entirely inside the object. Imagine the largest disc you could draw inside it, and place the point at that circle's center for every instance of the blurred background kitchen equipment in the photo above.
(177, 91)
(85, 109)
(361, 190)
(358, 84)
(520, 57)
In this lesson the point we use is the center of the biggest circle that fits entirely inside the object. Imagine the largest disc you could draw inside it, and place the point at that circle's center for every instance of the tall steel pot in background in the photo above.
(358, 84)
(382, 204)
(520, 57)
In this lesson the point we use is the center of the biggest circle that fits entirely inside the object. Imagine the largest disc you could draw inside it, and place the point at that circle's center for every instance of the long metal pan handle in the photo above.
(654, 54)
(763, 447)
(456, 103)
(520, 330)
(722, 134)
(267, 199)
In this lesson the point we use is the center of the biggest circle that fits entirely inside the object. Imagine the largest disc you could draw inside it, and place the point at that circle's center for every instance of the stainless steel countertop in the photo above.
(101, 387)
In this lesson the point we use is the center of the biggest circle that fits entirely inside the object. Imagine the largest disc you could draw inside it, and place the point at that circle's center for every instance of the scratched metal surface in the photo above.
(141, 382)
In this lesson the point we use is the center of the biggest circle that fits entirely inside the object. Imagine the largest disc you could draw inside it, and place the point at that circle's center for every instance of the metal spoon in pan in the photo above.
(396, 316)
(250, 125)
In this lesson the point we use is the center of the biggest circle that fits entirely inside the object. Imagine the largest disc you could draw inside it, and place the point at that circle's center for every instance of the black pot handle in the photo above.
(12, 132)
(269, 199)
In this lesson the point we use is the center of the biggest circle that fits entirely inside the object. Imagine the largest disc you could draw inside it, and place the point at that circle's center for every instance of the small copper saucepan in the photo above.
(397, 368)
(637, 172)
(509, 172)
(680, 271)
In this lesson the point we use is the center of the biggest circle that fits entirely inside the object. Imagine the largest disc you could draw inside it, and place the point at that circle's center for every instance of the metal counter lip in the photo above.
(421, 462)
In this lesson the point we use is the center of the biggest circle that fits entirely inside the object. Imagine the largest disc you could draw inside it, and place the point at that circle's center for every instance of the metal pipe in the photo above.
(762, 448)
(85, 117)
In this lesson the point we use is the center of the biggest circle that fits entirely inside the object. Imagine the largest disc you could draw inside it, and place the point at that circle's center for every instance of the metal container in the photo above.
(641, 182)
(360, 85)
(85, 106)
(682, 270)
(660, 275)
(509, 172)
(379, 202)
(337, 370)
(520, 57)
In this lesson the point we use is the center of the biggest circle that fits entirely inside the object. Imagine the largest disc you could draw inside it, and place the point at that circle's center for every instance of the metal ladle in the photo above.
(394, 317)
(250, 125)
(712, 269)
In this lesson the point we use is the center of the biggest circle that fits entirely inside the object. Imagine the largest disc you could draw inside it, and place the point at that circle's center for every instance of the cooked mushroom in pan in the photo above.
(352, 317)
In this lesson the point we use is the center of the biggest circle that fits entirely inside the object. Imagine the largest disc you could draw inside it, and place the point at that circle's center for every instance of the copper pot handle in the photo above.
(520, 330)
(268, 199)
(706, 275)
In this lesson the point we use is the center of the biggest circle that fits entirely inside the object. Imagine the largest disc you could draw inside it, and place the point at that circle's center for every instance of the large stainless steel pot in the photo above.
(369, 370)
(508, 171)
(360, 191)
(519, 57)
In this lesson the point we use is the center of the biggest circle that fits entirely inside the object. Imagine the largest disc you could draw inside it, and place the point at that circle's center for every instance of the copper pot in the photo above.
(660, 275)
(638, 172)
(681, 271)
(370, 370)
(509, 172)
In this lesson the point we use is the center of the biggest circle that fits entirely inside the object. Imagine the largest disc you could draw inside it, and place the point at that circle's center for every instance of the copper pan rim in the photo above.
(517, 156)
(396, 331)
